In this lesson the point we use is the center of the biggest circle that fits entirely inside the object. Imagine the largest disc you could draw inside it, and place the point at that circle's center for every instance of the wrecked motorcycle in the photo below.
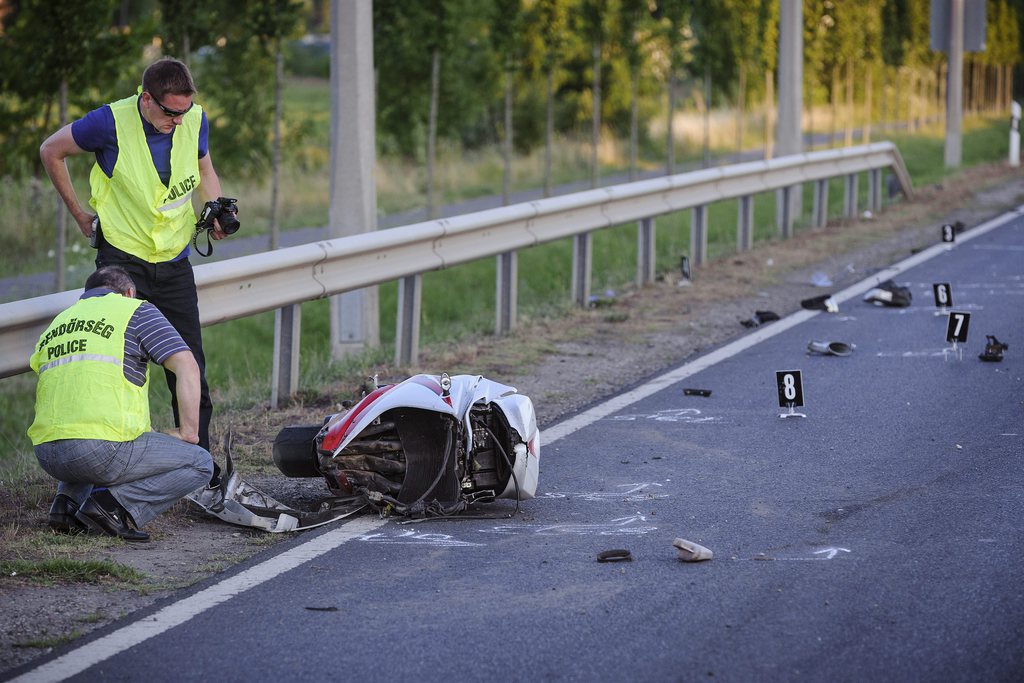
(428, 446)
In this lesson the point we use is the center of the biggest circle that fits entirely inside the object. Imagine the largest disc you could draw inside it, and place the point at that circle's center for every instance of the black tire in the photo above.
(294, 453)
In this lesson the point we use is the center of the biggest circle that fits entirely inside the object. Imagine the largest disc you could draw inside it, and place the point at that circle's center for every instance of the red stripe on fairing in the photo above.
(427, 382)
(337, 433)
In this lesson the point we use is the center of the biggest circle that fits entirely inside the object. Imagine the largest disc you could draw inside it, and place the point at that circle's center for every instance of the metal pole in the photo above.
(955, 85)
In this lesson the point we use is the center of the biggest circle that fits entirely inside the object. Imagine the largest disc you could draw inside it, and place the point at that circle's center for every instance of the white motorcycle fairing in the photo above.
(455, 396)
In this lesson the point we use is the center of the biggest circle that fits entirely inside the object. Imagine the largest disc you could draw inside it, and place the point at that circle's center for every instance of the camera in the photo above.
(223, 209)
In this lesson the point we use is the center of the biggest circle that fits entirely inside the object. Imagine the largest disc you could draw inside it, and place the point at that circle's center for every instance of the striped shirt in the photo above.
(149, 337)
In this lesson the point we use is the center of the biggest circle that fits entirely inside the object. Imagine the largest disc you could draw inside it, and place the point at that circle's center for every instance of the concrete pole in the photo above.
(955, 85)
(355, 319)
(791, 78)
(791, 65)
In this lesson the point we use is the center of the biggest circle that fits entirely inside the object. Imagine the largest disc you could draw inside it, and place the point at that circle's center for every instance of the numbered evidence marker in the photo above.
(948, 233)
(943, 297)
(956, 332)
(791, 392)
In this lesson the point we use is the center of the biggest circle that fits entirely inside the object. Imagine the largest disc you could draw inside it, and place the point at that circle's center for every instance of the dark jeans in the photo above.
(171, 287)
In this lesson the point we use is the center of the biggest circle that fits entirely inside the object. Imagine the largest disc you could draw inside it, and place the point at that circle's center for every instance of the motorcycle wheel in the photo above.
(294, 453)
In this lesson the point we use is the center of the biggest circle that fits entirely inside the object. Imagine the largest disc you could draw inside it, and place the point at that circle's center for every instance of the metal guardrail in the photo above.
(253, 284)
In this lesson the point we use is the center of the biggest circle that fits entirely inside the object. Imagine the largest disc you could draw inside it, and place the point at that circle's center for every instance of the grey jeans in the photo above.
(146, 476)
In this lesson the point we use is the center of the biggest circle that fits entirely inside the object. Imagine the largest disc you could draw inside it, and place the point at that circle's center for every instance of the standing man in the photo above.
(152, 153)
(91, 424)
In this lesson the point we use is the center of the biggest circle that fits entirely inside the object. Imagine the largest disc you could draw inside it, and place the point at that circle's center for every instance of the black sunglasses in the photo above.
(173, 113)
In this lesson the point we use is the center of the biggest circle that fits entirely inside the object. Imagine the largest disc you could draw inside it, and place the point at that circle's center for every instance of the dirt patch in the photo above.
(563, 364)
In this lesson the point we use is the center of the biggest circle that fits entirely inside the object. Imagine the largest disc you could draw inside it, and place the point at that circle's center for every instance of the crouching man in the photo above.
(92, 431)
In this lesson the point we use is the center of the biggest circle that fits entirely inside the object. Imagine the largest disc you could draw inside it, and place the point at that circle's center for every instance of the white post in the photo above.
(1015, 134)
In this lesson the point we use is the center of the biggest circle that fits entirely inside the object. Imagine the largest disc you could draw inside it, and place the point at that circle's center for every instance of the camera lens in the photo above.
(228, 223)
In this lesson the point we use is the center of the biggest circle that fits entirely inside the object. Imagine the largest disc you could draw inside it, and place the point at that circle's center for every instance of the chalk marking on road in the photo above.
(688, 415)
(414, 538)
(622, 526)
(760, 334)
(96, 651)
(635, 493)
(824, 555)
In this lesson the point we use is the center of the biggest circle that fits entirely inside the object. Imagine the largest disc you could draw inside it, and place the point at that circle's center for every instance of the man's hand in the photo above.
(177, 433)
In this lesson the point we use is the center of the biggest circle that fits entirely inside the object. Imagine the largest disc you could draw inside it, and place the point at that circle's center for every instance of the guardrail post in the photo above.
(407, 329)
(850, 198)
(821, 203)
(507, 292)
(582, 253)
(745, 224)
(284, 381)
(645, 251)
(699, 235)
(784, 211)
(875, 190)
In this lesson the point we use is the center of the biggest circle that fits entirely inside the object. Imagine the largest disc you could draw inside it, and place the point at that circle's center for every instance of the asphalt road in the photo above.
(877, 538)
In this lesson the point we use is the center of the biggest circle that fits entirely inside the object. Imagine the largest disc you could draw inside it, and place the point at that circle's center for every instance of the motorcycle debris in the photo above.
(615, 555)
(696, 392)
(889, 293)
(831, 348)
(760, 318)
(692, 552)
(993, 349)
(825, 302)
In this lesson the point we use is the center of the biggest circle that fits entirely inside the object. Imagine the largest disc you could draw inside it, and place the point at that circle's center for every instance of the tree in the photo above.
(548, 24)
(67, 52)
(506, 33)
(271, 22)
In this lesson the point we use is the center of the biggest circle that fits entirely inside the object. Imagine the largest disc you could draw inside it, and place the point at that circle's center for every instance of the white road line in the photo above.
(80, 659)
(617, 403)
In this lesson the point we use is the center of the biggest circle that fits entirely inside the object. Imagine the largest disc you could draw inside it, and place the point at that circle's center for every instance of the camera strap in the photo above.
(209, 242)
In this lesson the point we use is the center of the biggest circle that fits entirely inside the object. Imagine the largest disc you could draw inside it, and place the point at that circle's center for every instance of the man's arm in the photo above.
(53, 152)
(209, 188)
(186, 373)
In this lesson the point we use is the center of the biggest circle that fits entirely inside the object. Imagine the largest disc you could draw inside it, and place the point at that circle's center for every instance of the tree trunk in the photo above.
(634, 122)
(834, 107)
(61, 216)
(506, 176)
(595, 129)
(549, 131)
(741, 105)
(435, 87)
(275, 162)
(769, 107)
(670, 164)
(865, 137)
(848, 130)
(707, 117)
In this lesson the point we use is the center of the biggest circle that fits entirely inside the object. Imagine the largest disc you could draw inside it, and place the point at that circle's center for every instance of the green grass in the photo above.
(67, 570)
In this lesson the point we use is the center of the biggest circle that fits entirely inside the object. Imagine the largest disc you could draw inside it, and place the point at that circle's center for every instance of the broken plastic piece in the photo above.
(692, 552)
(993, 349)
(696, 392)
(825, 302)
(831, 348)
(615, 555)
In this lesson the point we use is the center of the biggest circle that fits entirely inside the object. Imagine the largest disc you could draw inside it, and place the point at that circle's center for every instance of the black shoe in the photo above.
(993, 349)
(62, 515)
(115, 523)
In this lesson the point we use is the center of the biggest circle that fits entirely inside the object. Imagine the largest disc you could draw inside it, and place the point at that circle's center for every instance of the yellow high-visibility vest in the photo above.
(138, 213)
(82, 391)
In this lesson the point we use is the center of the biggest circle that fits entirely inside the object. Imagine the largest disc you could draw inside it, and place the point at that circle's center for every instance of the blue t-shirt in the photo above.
(95, 132)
